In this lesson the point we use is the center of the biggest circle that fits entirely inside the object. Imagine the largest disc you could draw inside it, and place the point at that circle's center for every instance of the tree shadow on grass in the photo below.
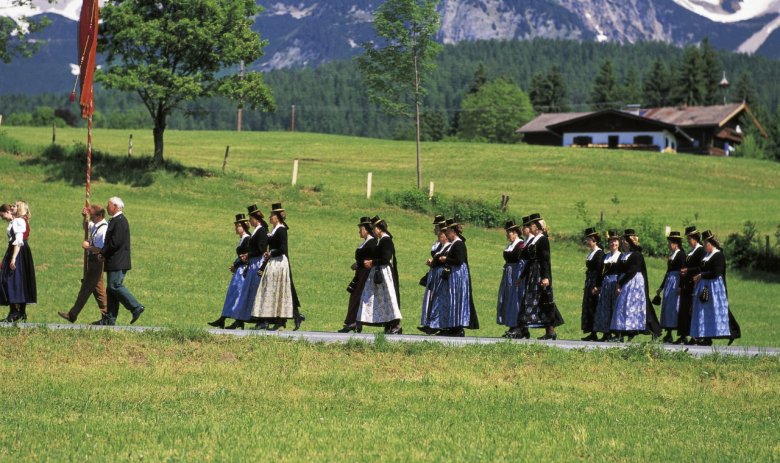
(70, 165)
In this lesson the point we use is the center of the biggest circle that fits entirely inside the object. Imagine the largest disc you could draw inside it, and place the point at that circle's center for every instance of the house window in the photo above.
(643, 140)
(582, 140)
(666, 142)
(614, 141)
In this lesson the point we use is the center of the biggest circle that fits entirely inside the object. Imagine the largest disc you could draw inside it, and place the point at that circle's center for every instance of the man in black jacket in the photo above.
(116, 257)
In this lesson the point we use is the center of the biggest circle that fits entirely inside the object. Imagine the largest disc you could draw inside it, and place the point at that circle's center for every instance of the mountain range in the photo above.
(311, 32)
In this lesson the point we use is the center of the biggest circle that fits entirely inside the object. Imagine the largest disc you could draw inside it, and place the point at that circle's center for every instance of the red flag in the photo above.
(88, 31)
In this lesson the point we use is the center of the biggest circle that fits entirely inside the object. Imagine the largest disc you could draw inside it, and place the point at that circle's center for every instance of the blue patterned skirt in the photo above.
(631, 307)
(607, 297)
(670, 307)
(234, 292)
(241, 308)
(457, 313)
(435, 298)
(510, 293)
(710, 319)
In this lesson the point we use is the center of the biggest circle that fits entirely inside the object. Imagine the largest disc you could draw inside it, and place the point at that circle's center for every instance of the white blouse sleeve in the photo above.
(18, 227)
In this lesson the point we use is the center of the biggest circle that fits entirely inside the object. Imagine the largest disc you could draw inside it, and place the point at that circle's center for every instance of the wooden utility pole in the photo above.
(292, 118)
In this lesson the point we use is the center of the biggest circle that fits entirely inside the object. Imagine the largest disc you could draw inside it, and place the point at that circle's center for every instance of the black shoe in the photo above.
(681, 340)
(298, 320)
(704, 342)
(261, 325)
(396, 330)
(548, 336)
(347, 329)
(105, 321)
(731, 341)
(517, 333)
(66, 316)
(428, 330)
(604, 337)
(592, 337)
(236, 325)
(668, 339)
(630, 337)
(454, 332)
(691, 342)
(277, 326)
(218, 323)
(615, 339)
(136, 314)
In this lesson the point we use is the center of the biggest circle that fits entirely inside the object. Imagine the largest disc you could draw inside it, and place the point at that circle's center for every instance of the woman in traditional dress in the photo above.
(539, 309)
(594, 268)
(355, 287)
(237, 269)
(276, 300)
(670, 286)
(687, 273)
(250, 262)
(436, 297)
(380, 302)
(633, 314)
(607, 292)
(510, 291)
(17, 270)
(711, 317)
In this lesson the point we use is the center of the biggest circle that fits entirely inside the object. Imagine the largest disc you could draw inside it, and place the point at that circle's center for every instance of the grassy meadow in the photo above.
(183, 238)
(185, 395)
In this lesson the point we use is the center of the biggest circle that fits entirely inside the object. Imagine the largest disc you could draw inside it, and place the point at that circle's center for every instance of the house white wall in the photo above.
(663, 139)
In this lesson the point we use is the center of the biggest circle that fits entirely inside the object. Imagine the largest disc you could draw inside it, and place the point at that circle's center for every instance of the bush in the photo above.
(745, 250)
(470, 211)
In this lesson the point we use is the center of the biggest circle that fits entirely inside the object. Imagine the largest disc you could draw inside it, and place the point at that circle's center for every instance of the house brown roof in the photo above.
(540, 123)
(695, 116)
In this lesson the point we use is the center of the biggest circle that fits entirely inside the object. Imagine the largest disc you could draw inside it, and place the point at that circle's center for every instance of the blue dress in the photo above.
(257, 245)
(631, 305)
(18, 286)
(512, 288)
(436, 297)
(670, 307)
(451, 302)
(607, 296)
(237, 282)
(713, 319)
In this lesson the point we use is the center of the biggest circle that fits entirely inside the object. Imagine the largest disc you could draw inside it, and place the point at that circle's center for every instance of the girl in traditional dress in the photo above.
(539, 309)
(17, 270)
(436, 297)
(594, 267)
(511, 289)
(607, 292)
(250, 262)
(687, 273)
(237, 269)
(670, 286)
(276, 300)
(711, 317)
(380, 302)
(355, 287)
(633, 313)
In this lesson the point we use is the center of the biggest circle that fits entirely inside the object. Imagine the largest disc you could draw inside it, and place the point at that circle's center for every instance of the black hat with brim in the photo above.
(365, 221)
(613, 235)
(629, 232)
(533, 218)
(438, 219)
(240, 218)
(674, 236)
(253, 211)
(692, 231)
(511, 225)
(591, 232)
(277, 207)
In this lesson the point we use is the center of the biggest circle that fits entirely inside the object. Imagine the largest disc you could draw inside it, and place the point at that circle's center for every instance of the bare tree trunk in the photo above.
(159, 129)
(417, 119)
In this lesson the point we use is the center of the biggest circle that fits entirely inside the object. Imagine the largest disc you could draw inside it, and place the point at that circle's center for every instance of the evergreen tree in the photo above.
(656, 86)
(558, 92)
(605, 92)
(689, 86)
(538, 92)
(495, 112)
(631, 90)
(744, 90)
(711, 70)
(480, 79)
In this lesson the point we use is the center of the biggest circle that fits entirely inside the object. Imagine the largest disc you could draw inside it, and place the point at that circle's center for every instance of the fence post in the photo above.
(295, 172)
(368, 185)
(53, 134)
(430, 191)
(224, 162)
(667, 230)
(130, 146)
(767, 245)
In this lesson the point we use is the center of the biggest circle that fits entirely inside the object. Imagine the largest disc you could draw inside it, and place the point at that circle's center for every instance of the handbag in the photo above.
(704, 295)
(445, 274)
(378, 279)
(424, 280)
(656, 300)
(351, 286)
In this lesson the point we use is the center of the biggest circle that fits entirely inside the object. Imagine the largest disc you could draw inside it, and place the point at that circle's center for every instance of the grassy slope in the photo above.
(192, 397)
(183, 238)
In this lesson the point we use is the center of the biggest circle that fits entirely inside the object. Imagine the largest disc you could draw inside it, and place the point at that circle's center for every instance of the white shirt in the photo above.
(674, 254)
(16, 231)
(535, 238)
(118, 213)
(97, 233)
(444, 248)
(707, 257)
(369, 238)
(694, 249)
(512, 245)
(592, 253)
(278, 226)
(611, 258)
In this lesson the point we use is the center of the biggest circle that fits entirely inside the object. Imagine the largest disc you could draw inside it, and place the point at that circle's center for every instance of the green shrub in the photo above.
(469, 211)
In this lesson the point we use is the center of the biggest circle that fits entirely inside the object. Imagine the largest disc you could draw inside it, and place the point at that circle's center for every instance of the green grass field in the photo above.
(186, 396)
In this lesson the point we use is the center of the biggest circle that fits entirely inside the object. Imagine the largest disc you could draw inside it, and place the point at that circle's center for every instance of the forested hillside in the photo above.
(331, 98)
